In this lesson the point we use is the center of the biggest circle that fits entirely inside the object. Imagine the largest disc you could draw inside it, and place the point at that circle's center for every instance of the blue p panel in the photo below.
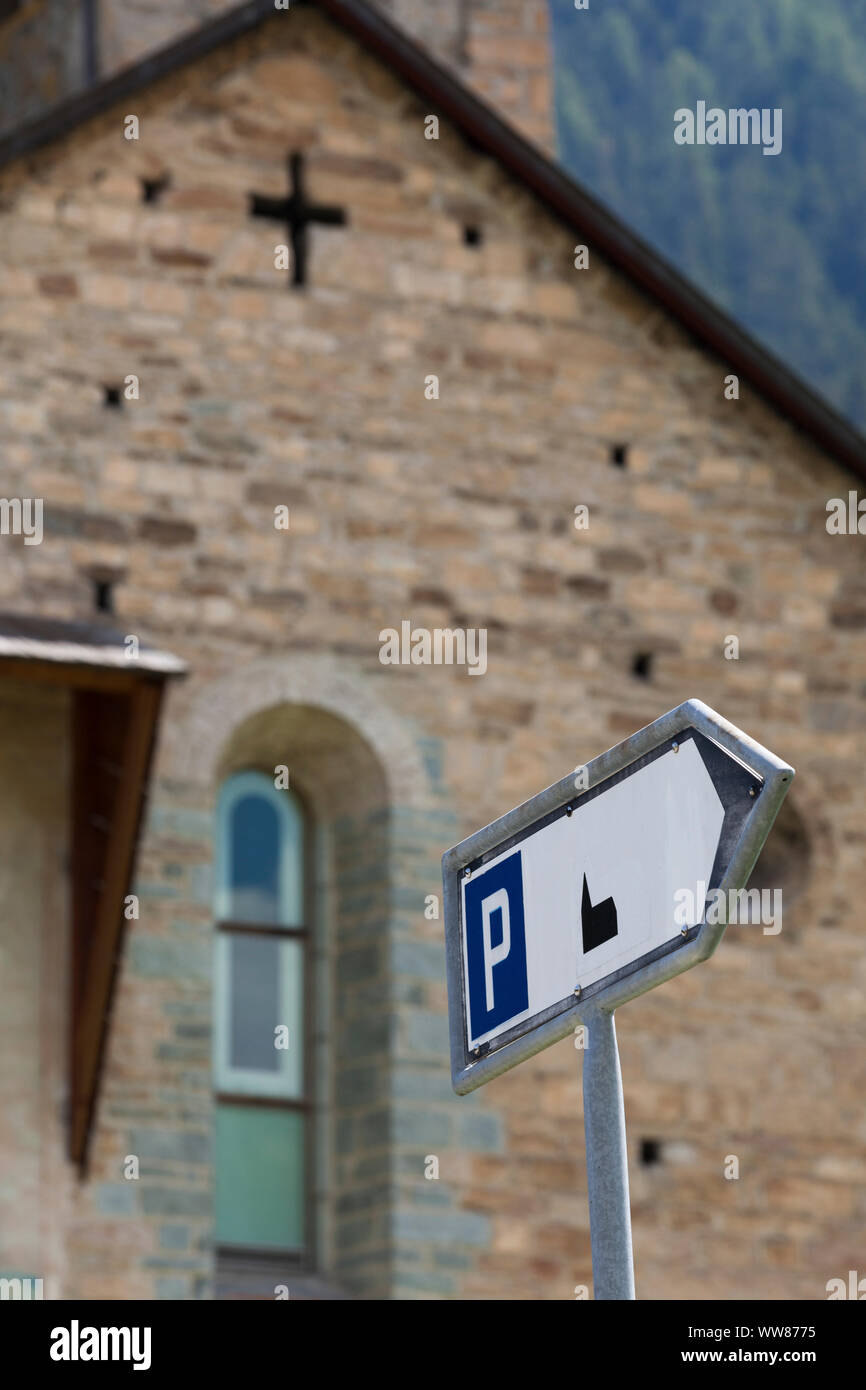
(496, 946)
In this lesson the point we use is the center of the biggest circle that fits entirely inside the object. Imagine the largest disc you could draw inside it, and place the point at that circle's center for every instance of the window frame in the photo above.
(261, 779)
(287, 1081)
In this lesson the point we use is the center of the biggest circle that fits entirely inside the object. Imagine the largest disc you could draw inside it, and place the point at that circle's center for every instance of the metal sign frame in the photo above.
(772, 778)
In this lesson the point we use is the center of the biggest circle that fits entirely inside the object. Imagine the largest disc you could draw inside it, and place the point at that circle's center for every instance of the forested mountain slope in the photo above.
(778, 241)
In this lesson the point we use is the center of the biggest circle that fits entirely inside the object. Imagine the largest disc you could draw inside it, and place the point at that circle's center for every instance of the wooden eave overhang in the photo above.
(115, 702)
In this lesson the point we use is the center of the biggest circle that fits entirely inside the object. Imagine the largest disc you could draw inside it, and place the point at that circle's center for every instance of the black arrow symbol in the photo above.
(599, 922)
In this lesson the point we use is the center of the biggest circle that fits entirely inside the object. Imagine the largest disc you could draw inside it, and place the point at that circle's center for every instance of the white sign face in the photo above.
(599, 893)
(588, 893)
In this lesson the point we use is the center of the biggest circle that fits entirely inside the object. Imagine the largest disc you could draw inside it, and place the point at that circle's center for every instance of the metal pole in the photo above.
(606, 1162)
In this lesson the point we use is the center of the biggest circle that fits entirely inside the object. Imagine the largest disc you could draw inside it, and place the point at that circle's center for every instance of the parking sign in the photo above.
(569, 902)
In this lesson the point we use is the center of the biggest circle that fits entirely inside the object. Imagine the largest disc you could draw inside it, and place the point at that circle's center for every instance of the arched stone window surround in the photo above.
(361, 769)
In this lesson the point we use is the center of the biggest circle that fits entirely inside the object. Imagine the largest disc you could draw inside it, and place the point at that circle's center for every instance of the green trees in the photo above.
(776, 242)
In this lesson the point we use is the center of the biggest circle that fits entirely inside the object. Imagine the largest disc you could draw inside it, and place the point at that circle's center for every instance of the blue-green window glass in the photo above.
(259, 1177)
(259, 994)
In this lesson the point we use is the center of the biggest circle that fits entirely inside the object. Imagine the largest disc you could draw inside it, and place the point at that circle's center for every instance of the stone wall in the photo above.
(41, 59)
(499, 47)
(145, 1232)
(557, 387)
(36, 1180)
(130, 29)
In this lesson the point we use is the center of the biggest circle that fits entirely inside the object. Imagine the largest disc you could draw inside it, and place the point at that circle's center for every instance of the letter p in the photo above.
(497, 982)
(494, 955)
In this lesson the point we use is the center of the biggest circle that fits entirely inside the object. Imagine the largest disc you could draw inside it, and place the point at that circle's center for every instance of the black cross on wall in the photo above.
(298, 214)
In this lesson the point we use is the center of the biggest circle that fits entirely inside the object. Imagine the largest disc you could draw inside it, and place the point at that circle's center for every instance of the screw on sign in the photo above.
(565, 908)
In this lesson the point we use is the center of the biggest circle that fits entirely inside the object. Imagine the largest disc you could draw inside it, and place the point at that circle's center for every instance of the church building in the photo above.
(306, 336)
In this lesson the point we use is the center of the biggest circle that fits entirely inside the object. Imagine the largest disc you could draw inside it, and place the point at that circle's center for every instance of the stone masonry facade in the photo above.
(557, 387)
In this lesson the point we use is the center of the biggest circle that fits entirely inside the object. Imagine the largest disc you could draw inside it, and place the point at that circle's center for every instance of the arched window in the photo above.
(261, 1027)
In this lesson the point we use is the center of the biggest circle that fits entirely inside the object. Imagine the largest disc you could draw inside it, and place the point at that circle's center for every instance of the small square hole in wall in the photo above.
(103, 581)
(650, 1152)
(619, 455)
(642, 665)
(153, 189)
(111, 398)
(472, 236)
(103, 595)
